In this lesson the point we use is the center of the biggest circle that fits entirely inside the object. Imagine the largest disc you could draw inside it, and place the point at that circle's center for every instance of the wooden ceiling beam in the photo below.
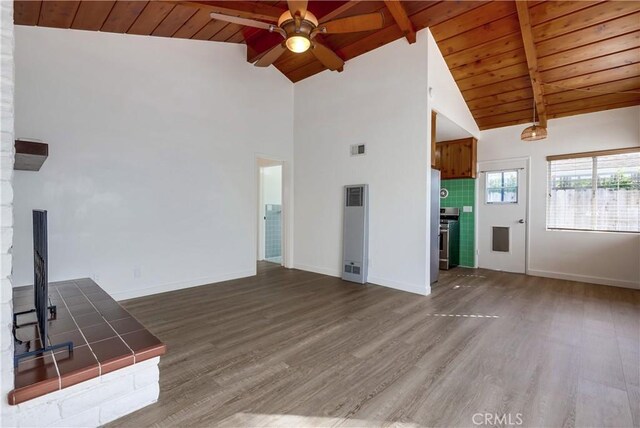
(243, 9)
(532, 60)
(399, 14)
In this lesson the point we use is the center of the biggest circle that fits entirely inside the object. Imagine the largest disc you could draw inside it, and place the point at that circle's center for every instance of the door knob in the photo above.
(521, 221)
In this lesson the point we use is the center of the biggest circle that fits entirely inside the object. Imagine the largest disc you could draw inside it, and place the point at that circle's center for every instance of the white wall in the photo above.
(151, 177)
(445, 96)
(380, 99)
(599, 257)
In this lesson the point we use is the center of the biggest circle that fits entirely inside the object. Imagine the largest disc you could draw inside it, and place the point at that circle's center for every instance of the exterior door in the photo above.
(502, 216)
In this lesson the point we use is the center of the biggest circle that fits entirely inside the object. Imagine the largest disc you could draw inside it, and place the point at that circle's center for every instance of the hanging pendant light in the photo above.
(534, 132)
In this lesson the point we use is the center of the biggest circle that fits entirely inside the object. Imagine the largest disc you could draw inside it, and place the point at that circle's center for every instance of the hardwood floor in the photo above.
(295, 348)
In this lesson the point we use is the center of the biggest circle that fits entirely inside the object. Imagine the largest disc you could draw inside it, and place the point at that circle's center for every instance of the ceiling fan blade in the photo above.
(326, 56)
(244, 9)
(298, 8)
(271, 56)
(241, 21)
(352, 24)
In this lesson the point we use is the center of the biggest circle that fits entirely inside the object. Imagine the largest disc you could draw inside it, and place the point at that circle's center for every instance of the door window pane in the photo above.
(502, 187)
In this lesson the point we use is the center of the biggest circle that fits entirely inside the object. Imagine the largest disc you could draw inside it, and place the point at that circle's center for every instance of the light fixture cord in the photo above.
(534, 112)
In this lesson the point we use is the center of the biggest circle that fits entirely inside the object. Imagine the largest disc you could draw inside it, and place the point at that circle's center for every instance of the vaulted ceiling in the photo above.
(567, 57)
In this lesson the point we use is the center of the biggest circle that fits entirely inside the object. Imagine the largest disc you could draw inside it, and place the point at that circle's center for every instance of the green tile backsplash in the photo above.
(462, 192)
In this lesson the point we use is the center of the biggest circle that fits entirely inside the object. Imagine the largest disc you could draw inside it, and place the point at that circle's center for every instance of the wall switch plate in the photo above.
(467, 209)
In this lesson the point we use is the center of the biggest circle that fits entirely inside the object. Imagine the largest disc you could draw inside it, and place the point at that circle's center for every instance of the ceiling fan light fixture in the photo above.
(298, 43)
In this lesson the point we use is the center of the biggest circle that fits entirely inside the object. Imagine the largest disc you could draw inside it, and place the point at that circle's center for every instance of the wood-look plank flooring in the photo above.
(293, 348)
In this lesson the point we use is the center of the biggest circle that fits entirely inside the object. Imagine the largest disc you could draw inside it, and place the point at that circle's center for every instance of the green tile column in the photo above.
(462, 192)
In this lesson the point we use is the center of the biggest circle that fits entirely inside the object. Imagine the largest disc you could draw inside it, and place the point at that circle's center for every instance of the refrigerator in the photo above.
(434, 243)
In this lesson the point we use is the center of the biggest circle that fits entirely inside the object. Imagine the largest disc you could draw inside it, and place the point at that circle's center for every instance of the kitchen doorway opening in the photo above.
(270, 211)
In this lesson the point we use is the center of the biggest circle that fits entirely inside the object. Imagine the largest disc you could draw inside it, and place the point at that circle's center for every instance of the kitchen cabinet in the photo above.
(456, 158)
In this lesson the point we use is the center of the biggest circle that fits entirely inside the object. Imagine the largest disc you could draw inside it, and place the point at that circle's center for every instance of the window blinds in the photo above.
(598, 192)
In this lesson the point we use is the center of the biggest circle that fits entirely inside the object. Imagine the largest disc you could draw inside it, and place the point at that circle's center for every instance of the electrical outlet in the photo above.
(137, 272)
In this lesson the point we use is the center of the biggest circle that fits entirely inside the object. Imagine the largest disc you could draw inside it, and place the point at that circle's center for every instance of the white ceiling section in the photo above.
(447, 130)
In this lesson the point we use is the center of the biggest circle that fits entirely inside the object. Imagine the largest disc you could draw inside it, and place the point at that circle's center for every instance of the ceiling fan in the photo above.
(299, 28)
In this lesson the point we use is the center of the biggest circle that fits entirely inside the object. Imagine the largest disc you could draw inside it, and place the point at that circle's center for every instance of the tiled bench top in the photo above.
(105, 338)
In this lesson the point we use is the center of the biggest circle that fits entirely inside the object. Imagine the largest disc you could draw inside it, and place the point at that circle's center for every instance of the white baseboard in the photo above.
(411, 288)
(320, 270)
(585, 278)
(163, 288)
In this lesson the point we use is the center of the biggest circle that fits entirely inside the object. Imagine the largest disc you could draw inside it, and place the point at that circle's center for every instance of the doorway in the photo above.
(270, 212)
(502, 219)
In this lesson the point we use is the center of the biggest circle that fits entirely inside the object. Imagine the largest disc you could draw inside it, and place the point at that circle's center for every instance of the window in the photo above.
(502, 187)
(595, 191)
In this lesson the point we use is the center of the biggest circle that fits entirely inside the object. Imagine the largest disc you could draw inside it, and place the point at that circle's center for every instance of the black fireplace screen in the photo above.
(42, 309)
(40, 283)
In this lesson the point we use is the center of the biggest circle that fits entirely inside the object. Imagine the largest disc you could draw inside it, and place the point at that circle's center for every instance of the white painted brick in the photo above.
(6, 122)
(38, 416)
(57, 396)
(6, 216)
(77, 403)
(8, 417)
(6, 264)
(140, 398)
(90, 418)
(130, 370)
(6, 239)
(6, 295)
(146, 377)
(7, 374)
(6, 167)
(6, 192)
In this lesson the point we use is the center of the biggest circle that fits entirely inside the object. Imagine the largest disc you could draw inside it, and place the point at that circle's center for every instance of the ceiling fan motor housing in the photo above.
(288, 24)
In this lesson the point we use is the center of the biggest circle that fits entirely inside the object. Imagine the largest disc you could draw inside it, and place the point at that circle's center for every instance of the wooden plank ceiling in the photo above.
(574, 56)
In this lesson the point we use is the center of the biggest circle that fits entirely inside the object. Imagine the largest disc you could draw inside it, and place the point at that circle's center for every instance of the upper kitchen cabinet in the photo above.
(456, 158)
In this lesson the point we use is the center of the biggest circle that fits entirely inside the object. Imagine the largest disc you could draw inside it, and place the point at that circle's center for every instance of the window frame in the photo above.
(517, 187)
(594, 184)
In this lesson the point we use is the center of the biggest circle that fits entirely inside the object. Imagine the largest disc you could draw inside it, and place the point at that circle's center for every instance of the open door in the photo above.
(270, 211)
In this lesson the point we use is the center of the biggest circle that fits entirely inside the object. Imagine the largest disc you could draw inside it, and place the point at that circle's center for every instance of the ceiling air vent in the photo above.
(357, 149)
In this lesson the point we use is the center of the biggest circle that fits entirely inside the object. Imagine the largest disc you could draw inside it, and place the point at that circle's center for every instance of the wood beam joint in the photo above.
(402, 19)
(532, 61)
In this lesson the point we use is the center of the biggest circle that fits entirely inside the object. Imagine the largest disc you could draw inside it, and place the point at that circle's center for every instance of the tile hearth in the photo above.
(105, 338)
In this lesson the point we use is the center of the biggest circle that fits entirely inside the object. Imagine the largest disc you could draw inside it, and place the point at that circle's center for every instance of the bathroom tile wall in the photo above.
(273, 231)
(462, 192)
